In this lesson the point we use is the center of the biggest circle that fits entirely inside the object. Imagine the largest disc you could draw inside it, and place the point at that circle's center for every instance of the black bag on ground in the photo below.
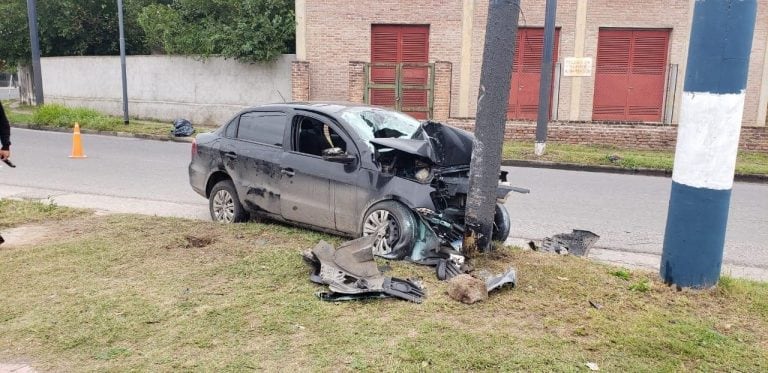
(182, 127)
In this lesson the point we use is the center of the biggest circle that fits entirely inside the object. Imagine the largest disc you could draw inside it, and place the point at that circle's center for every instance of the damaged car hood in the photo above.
(443, 145)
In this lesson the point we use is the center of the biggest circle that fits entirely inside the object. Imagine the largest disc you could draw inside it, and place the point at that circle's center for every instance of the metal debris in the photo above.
(447, 269)
(351, 273)
(507, 278)
(576, 243)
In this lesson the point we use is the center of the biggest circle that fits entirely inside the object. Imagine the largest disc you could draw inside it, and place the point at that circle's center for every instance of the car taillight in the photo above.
(194, 148)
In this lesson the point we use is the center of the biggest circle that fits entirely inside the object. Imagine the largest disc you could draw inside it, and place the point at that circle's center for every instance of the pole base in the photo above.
(538, 149)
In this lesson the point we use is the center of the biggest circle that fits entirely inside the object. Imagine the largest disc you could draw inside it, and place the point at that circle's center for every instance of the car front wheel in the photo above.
(501, 223)
(394, 227)
(224, 204)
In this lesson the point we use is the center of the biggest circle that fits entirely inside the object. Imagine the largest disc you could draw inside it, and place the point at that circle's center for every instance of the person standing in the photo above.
(5, 135)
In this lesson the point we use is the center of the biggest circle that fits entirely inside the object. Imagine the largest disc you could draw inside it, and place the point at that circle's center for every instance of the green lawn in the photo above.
(748, 163)
(56, 115)
(136, 293)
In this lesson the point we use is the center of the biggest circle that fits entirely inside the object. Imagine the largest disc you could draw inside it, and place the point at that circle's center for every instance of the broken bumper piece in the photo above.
(576, 243)
(351, 273)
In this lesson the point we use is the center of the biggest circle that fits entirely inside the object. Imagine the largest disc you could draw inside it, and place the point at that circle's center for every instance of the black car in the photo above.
(344, 168)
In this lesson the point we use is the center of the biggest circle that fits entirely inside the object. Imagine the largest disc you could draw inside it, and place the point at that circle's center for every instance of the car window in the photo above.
(371, 123)
(312, 136)
(262, 127)
(231, 130)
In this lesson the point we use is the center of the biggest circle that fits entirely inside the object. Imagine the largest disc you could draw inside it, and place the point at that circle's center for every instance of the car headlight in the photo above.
(423, 175)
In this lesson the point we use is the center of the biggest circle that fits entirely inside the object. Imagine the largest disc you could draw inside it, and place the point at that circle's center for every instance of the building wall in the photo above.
(166, 87)
(338, 31)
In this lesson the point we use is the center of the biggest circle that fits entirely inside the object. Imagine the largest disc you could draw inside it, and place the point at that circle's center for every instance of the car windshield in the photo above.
(371, 123)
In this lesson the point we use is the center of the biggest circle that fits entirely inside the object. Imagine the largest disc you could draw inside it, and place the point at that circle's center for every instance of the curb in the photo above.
(616, 170)
(105, 133)
(506, 162)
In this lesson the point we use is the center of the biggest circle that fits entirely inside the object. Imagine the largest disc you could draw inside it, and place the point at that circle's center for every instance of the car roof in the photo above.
(325, 107)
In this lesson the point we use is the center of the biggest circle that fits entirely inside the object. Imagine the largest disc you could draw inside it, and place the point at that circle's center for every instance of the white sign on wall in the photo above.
(577, 66)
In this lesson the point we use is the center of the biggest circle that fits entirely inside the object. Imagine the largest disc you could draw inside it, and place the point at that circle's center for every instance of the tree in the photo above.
(70, 28)
(14, 33)
(246, 30)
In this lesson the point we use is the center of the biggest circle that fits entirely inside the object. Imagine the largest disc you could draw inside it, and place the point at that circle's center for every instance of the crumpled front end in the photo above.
(439, 156)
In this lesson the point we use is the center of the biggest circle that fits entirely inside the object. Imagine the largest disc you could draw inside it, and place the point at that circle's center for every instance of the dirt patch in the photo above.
(198, 242)
(25, 235)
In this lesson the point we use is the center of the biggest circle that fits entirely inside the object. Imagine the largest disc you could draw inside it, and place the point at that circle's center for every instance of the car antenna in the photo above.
(281, 95)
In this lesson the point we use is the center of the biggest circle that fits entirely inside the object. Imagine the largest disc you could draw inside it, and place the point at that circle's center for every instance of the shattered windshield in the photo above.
(371, 123)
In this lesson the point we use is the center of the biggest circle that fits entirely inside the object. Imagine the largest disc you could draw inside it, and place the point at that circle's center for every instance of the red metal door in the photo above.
(393, 44)
(526, 73)
(629, 79)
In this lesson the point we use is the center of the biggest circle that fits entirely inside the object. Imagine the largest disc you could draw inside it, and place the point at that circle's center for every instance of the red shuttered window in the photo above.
(630, 74)
(526, 73)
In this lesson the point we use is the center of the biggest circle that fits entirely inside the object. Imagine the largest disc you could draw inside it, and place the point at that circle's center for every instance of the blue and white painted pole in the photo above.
(707, 141)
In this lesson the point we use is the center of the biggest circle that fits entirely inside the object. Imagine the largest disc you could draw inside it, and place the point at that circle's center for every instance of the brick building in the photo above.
(618, 77)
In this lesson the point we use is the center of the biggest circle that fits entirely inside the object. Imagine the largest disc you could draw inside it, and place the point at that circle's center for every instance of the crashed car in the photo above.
(347, 169)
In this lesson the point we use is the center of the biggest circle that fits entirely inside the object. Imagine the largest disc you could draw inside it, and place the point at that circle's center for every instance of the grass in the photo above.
(146, 293)
(14, 213)
(56, 115)
(748, 163)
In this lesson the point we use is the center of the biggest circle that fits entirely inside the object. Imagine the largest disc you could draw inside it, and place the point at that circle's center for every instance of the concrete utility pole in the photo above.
(707, 141)
(122, 60)
(37, 77)
(492, 101)
(545, 83)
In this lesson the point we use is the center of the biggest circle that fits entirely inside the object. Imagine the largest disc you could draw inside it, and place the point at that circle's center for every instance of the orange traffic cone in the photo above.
(77, 144)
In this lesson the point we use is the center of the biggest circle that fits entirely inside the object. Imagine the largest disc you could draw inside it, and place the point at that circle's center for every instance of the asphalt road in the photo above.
(150, 177)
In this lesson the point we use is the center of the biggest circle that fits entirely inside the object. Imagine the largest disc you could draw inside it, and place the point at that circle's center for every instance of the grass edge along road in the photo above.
(55, 115)
(128, 292)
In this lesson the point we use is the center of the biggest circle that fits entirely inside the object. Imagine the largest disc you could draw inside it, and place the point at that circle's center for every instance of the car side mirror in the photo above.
(337, 155)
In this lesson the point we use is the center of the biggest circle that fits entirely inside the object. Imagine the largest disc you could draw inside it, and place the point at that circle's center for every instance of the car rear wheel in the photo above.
(501, 223)
(394, 227)
(224, 204)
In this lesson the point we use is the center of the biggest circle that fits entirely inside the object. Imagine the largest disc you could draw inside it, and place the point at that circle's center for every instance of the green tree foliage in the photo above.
(14, 33)
(70, 28)
(246, 30)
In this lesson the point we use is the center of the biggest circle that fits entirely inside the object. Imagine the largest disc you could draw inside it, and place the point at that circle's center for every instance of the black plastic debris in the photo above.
(351, 273)
(576, 243)
(1, 240)
(182, 128)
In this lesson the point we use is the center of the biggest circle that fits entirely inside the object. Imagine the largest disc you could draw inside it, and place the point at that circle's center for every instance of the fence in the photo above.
(9, 88)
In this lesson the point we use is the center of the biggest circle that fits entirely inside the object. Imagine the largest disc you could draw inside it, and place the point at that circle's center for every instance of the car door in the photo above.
(253, 161)
(314, 190)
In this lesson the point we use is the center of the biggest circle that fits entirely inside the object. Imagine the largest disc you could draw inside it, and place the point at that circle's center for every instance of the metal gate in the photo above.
(406, 86)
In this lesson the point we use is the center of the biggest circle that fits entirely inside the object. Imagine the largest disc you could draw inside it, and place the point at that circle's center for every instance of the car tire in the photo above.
(501, 223)
(224, 204)
(395, 225)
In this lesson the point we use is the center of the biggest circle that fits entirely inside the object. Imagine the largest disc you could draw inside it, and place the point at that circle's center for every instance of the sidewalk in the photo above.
(110, 204)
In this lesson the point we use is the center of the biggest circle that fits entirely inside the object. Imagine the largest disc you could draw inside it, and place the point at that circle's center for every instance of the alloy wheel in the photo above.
(223, 206)
(384, 225)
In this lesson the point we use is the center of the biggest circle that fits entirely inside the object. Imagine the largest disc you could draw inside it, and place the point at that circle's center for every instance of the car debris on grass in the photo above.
(350, 272)
(577, 243)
